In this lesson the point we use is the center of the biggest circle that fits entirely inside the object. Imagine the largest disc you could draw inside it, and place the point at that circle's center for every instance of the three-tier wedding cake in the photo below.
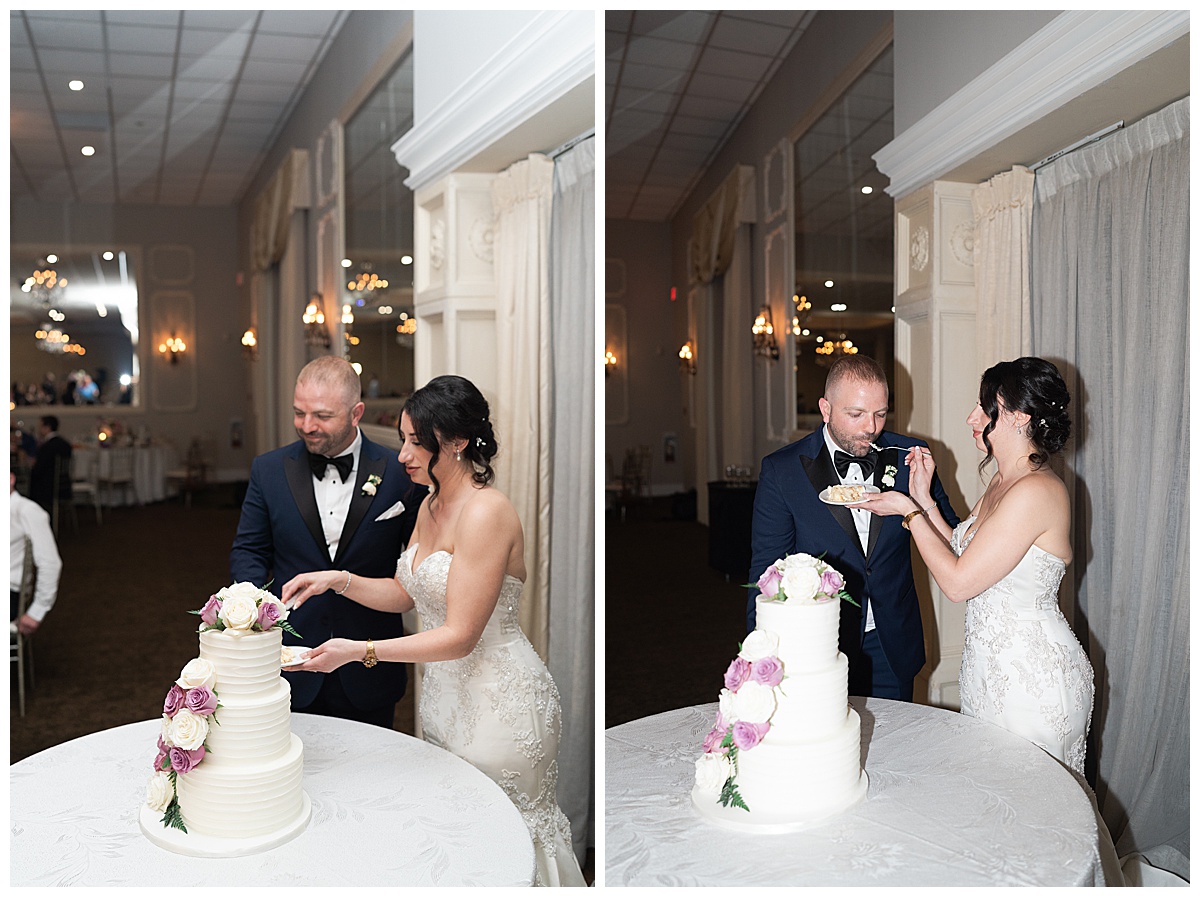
(227, 779)
(785, 750)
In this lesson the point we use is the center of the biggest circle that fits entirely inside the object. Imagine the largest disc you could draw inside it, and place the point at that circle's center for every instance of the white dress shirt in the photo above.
(334, 496)
(862, 517)
(28, 518)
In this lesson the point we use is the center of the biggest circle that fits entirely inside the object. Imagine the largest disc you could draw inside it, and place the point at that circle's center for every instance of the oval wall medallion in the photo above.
(962, 243)
(918, 251)
(481, 238)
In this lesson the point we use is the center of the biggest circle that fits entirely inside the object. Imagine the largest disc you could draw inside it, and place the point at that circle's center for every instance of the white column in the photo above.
(454, 293)
(937, 382)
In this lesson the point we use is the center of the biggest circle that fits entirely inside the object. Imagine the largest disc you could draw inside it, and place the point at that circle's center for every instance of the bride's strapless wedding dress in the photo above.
(1022, 667)
(498, 709)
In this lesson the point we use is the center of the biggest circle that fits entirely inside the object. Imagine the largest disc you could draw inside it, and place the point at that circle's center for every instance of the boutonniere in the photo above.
(372, 481)
(889, 476)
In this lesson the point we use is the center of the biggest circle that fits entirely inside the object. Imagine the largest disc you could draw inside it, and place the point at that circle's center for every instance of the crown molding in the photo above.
(1074, 53)
(550, 56)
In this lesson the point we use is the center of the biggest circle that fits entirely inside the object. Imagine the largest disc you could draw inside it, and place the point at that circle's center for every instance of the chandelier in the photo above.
(367, 281)
(44, 285)
(830, 349)
(51, 339)
(764, 335)
(316, 334)
(802, 314)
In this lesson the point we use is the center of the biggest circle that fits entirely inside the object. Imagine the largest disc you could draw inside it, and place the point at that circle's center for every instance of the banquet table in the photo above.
(387, 809)
(951, 800)
(150, 466)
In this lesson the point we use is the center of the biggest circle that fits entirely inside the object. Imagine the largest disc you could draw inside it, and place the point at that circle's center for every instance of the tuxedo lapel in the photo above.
(881, 464)
(361, 500)
(821, 473)
(300, 482)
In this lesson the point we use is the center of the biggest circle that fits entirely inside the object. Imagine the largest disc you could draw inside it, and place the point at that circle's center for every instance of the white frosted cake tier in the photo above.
(247, 664)
(808, 766)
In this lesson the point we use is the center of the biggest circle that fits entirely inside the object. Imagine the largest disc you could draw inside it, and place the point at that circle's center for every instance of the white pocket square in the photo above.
(394, 511)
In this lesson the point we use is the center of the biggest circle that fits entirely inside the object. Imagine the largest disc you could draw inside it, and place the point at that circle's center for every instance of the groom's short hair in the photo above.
(329, 370)
(855, 367)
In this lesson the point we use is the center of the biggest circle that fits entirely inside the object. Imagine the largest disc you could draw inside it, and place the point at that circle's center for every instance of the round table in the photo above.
(952, 800)
(387, 809)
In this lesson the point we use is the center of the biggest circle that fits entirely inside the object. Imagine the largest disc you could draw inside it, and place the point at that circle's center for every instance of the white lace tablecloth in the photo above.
(952, 801)
(387, 809)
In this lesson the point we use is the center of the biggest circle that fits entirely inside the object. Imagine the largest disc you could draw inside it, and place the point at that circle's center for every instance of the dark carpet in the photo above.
(673, 623)
(120, 630)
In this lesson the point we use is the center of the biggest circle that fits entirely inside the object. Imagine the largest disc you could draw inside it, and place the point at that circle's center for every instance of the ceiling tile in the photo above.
(748, 37)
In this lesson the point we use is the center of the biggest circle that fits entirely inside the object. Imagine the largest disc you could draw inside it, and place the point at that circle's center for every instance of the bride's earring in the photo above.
(458, 454)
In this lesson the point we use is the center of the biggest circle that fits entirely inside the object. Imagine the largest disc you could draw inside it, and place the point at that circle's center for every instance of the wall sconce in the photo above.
(610, 362)
(315, 332)
(687, 361)
(172, 348)
(764, 335)
(250, 344)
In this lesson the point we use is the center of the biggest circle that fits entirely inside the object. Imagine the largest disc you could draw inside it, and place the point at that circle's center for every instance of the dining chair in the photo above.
(85, 484)
(115, 471)
(22, 649)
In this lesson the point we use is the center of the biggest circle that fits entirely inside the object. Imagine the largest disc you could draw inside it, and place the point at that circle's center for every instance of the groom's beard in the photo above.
(856, 443)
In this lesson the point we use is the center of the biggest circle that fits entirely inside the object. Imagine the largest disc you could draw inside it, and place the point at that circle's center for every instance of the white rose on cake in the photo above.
(243, 590)
(159, 791)
(759, 644)
(195, 673)
(712, 770)
(239, 613)
(187, 730)
(752, 703)
(801, 581)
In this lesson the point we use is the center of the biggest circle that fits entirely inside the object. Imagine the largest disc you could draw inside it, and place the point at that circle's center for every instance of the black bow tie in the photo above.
(843, 460)
(318, 463)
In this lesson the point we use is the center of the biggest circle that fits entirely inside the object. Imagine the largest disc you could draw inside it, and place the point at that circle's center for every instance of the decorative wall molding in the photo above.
(1074, 53)
(777, 180)
(173, 384)
(328, 164)
(555, 53)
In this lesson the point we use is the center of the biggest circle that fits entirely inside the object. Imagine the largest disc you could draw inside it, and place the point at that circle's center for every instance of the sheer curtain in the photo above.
(1003, 208)
(1110, 306)
(573, 463)
(521, 202)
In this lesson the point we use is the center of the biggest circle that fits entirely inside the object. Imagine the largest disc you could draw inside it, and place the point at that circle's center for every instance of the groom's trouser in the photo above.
(872, 676)
(332, 700)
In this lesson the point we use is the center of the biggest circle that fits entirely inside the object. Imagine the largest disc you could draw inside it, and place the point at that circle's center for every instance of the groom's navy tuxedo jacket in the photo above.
(279, 536)
(789, 518)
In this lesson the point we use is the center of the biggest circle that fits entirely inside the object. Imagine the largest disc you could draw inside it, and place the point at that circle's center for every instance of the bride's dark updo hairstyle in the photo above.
(1035, 387)
(449, 408)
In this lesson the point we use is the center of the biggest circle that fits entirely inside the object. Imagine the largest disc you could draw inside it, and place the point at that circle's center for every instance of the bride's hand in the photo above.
(921, 468)
(885, 504)
(300, 588)
(327, 657)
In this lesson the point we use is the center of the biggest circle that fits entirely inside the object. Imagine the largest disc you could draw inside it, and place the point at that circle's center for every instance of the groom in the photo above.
(332, 500)
(883, 639)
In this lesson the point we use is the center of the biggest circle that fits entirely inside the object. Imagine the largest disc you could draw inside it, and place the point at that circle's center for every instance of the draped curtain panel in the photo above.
(521, 198)
(270, 228)
(1003, 211)
(1110, 305)
(573, 492)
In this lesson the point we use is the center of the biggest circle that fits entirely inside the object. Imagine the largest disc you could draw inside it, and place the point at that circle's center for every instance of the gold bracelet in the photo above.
(342, 590)
(917, 513)
(369, 660)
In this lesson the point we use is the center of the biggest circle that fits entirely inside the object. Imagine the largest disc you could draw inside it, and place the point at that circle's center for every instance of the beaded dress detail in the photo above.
(1022, 667)
(498, 709)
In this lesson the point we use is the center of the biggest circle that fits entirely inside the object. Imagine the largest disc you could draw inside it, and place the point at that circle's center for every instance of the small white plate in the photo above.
(299, 658)
(867, 490)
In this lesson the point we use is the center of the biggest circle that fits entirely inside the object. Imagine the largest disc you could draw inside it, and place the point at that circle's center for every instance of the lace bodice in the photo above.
(427, 586)
(1022, 667)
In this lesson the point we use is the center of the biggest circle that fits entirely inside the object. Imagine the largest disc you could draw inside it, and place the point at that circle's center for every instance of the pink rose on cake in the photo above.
(209, 613)
(747, 735)
(184, 761)
(200, 701)
(738, 672)
(768, 583)
(767, 671)
(174, 700)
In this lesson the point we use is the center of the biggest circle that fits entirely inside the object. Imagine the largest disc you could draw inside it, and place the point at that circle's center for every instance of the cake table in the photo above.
(387, 809)
(952, 801)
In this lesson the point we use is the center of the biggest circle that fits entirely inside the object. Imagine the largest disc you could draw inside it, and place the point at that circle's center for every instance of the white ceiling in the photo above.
(677, 84)
(180, 106)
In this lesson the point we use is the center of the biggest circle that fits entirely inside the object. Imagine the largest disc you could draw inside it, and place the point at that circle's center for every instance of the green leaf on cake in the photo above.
(287, 627)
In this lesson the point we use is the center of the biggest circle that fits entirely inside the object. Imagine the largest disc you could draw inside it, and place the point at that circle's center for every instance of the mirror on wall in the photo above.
(73, 327)
(376, 295)
(843, 291)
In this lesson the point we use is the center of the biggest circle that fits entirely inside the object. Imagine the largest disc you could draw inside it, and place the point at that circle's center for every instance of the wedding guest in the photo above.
(882, 638)
(332, 498)
(52, 462)
(26, 518)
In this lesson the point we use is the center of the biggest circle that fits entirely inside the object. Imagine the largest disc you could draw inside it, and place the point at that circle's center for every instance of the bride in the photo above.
(1022, 667)
(486, 695)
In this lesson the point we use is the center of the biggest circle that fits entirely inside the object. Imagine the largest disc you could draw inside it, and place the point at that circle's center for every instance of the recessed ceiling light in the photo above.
(108, 256)
(52, 258)
(346, 263)
(805, 332)
(868, 189)
(829, 283)
(406, 259)
(838, 306)
(88, 151)
(75, 85)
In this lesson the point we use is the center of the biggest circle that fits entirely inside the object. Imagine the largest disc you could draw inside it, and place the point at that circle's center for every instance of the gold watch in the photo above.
(370, 659)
